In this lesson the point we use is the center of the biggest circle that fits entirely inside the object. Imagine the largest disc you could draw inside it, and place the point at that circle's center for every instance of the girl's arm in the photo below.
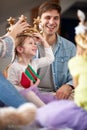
(49, 56)
(46, 60)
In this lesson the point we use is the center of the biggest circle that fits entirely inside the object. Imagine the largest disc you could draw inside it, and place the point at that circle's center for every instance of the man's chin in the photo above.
(51, 33)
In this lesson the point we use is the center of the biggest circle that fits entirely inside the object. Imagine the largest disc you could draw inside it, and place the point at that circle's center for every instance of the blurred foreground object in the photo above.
(81, 30)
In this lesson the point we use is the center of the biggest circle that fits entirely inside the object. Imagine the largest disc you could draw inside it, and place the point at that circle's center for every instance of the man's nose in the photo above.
(51, 21)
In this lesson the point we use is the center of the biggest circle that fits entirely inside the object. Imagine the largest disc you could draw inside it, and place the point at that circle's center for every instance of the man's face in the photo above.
(50, 21)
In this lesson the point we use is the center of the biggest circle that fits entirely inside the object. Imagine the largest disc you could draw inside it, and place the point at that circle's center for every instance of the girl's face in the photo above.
(50, 22)
(29, 47)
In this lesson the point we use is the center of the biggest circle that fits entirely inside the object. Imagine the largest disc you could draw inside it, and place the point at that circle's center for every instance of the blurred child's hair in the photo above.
(81, 32)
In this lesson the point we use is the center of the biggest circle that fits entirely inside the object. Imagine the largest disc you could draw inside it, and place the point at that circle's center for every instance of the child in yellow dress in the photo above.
(78, 65)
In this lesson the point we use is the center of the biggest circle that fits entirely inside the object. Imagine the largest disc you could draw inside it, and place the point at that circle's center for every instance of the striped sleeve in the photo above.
(6, 47)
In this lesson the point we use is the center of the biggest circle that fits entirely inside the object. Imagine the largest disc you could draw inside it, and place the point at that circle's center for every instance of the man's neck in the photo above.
(51, 39)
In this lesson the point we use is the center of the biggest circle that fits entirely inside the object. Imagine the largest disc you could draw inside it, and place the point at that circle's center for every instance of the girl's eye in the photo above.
(30, 42)
(35, 43)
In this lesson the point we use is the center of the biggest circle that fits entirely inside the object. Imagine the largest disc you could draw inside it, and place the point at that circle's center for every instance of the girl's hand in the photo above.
(37, 82)
(40, 39)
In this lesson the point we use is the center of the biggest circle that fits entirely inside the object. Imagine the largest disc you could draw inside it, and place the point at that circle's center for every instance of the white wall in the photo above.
(65, 4)
(3, 25)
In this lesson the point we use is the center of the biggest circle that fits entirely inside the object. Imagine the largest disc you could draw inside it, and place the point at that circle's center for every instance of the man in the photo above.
(56, 77)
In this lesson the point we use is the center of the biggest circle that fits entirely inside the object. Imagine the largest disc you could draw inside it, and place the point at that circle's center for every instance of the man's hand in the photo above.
(63, 92)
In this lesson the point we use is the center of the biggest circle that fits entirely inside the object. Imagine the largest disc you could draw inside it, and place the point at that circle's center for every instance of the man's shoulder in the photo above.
(62, 39)
(65, 42)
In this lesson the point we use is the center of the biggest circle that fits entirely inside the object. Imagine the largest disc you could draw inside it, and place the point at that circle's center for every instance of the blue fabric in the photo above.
(63, 51)
(8, 94)
(2, 104)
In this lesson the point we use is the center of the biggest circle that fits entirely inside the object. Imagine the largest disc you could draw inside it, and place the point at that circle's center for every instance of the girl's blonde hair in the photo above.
(20, 41)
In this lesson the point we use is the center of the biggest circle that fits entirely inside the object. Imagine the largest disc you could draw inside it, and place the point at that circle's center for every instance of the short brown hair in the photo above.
(46, 6)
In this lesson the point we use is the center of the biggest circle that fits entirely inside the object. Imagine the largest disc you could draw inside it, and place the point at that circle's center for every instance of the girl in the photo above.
(25, 52)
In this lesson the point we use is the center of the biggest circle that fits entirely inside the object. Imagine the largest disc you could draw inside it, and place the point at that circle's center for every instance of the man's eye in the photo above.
(56, 18)
(48, 17)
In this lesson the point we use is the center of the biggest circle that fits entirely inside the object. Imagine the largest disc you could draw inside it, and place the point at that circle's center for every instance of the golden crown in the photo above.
(32, 29)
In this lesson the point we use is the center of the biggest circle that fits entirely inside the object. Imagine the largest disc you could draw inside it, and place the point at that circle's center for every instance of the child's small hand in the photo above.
(40, 39)
(38, 36)
(36, 83)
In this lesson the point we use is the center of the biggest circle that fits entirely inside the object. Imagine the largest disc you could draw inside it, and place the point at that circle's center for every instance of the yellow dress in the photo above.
(78, 68)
